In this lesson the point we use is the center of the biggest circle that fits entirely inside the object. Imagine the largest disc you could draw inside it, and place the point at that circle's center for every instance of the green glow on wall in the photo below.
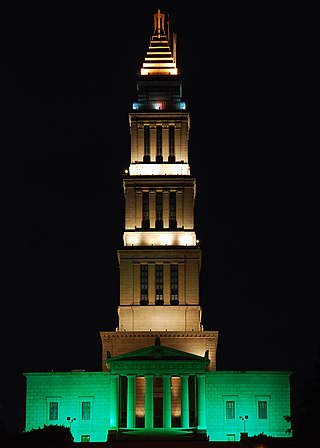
(69, 389)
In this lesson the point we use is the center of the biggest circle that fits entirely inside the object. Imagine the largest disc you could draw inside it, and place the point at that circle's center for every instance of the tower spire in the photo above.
(158, 19)
(160, 58)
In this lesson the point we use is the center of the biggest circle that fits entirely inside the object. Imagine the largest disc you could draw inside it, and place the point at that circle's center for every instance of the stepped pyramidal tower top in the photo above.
(161, 55)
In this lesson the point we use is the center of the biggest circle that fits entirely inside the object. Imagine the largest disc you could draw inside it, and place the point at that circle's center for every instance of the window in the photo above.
(146, 157)
(230, 409)
(159, 144)
(174, 284)
(85, 438)
(159, 208)
(86, 410)
(171, 144)
(262, 410)
(144, 284)
(159, 284)
(172, 210)
(145, 210)
(53, 410)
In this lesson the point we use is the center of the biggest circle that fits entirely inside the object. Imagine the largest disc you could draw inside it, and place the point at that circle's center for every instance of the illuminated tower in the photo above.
(160, 261)
(158, 378)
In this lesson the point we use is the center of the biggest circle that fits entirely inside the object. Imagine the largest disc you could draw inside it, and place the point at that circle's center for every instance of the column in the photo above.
(182, 142)
(136, 290)
(114, 402)
(152, 283)
(165, 142)
(166, 283)
(138, 209)
(179, 210)
(184, 401)
(135, 132)
(201, 383)
(181, 156)
(130, 214)
(152, 208)
(166, 381)
(153, 142)
(148, 404)
(165, 210)
(131, 401)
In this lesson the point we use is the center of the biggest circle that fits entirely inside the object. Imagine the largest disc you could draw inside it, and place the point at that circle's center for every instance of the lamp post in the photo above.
(71, 420)
(244, 419)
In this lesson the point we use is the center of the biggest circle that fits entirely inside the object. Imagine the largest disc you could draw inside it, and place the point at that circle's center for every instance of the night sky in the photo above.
(251, 83)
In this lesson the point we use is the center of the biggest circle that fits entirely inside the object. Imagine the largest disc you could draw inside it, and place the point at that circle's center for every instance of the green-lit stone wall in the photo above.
(244, 388)
(70, 389)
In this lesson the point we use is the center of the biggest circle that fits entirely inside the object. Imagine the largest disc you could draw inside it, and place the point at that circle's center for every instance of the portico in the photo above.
(158, 387)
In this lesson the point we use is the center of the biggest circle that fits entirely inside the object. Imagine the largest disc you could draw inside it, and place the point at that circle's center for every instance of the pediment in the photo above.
(157, 352)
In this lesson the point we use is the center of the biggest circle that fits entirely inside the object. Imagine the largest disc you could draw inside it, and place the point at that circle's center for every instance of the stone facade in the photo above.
(70, 389)
(158, 375)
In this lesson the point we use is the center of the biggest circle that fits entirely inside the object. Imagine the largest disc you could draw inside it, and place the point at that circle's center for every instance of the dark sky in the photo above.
(250, 80)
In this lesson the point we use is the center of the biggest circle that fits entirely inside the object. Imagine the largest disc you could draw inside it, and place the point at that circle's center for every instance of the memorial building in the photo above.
(159, 379)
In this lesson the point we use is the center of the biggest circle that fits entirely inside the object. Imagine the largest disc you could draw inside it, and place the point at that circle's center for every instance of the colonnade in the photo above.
(166, 397)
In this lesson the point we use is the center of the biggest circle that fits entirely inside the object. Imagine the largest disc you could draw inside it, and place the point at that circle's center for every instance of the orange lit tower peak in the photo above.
(160, 58)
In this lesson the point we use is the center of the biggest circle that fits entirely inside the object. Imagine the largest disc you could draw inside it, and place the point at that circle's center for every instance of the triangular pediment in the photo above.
(157, 353)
